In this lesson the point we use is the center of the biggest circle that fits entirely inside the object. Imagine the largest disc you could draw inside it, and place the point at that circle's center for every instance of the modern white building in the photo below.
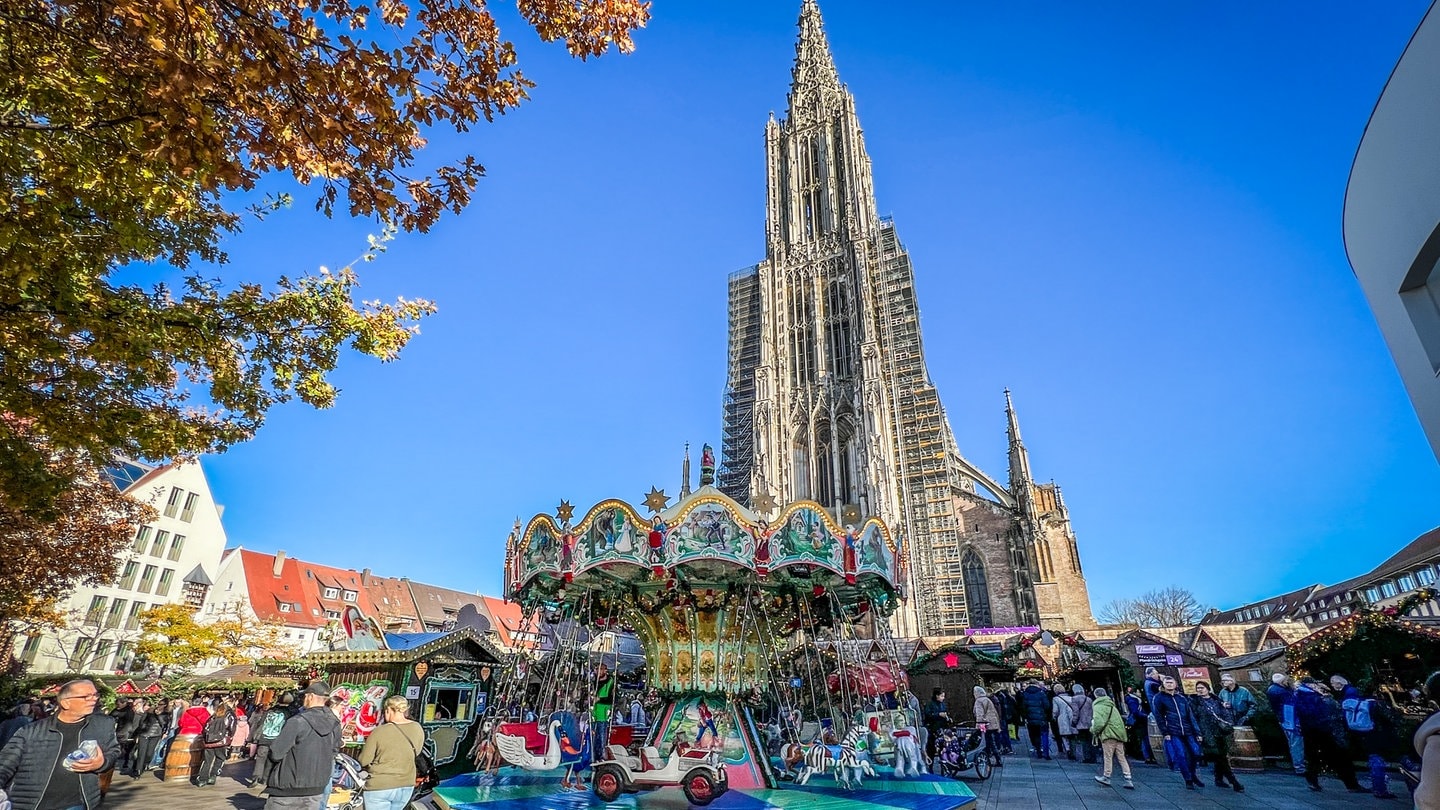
(1392, 220)
(172, 559)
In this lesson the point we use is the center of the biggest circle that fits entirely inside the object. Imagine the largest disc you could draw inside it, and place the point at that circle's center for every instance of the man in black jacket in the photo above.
(303, 756)
(33, 765)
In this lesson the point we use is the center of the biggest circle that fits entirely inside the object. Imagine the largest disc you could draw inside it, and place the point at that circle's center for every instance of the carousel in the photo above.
(739, 613)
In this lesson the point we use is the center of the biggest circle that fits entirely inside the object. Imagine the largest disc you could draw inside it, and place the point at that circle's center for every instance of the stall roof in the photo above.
(407, 641)
(408, 654)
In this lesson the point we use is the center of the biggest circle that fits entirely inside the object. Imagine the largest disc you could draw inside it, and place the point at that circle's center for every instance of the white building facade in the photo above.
(172, 559)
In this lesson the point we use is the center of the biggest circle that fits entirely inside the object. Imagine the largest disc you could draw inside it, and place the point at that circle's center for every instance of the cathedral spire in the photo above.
(685, 474)
(1019, 456)
(814, 74)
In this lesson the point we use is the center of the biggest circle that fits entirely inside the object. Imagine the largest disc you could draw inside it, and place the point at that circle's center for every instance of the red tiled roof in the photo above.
(268, 591)
(508, 620)
(393, 602)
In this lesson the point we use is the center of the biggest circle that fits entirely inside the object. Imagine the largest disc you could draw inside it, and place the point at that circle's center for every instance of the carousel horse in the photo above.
(908, 757)
(845, 762)
(485, 755)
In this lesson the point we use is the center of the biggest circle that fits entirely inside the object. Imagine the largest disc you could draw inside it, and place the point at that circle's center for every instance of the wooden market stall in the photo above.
(447, 677)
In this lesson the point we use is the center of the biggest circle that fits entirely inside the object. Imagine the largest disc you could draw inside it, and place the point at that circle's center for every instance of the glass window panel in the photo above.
(157, 548)
(188, 513)
(97, 610)
(117, 610)
(163, 589)
(176, 544)
(172, 506)
(148, 578)
(142, 539)
(127, 578)
(132, 622)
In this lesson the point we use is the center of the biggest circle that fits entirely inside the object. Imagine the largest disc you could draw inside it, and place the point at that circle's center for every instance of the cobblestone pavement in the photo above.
(1022, 783)
(1060, 783)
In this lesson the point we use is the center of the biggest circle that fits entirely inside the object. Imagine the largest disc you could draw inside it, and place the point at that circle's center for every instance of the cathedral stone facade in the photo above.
(828, 397)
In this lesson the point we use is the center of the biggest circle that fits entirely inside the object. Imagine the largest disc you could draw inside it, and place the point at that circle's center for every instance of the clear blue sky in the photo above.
(1127, 213)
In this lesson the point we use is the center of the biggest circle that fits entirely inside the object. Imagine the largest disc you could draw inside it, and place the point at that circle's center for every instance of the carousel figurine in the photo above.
(762, 534)
(852, 542)
(657, 546)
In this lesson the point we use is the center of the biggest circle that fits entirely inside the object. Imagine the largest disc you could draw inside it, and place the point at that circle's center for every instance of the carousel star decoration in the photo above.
(564, 511)
(656, 499)
(764, 502)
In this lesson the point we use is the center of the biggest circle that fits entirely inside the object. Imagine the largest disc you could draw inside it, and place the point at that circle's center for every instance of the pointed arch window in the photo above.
(977, 590)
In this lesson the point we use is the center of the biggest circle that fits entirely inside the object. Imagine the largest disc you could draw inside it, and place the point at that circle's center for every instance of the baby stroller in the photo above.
(348, 775)
(959, 749)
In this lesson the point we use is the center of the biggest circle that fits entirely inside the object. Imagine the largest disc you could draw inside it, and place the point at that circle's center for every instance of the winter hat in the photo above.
(979, 691)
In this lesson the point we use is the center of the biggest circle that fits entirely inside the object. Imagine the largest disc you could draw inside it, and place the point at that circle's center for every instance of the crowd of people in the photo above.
(293, 742)
(1324, 723)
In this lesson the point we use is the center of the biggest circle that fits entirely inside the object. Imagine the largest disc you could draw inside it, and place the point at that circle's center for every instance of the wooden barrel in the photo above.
(1157, 743)
(1245, 754)
(183, 761)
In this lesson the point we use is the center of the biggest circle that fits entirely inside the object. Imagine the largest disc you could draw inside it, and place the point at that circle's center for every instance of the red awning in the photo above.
(868, 679)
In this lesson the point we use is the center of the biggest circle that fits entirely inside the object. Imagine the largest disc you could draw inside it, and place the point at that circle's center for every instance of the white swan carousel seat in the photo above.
(518, 749)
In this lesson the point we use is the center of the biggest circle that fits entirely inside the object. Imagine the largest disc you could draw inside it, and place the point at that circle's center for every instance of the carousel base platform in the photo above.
(512, 789)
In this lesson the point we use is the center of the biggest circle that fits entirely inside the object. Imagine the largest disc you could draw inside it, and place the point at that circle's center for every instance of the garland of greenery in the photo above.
(1365, 618)
(1008, 657)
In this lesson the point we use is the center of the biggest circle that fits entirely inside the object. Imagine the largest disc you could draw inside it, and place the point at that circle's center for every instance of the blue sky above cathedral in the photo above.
(1129, 215)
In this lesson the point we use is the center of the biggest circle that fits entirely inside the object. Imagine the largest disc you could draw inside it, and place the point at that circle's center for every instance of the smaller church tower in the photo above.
(1062, 599)
(685, 474)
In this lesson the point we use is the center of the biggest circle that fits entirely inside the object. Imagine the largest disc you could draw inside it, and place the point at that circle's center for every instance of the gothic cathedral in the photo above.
(828, 397)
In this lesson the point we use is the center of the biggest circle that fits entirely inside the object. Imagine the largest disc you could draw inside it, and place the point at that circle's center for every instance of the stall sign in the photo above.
(1174, 660)
(412, 693)
(1149, 649)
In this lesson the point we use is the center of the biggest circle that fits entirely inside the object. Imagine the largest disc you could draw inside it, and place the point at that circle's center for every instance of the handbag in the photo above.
(424, 766)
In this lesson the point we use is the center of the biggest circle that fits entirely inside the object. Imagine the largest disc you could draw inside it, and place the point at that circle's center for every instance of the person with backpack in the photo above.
(1322, 747)
(1035, 708)
(216, 740)
(987, 718)
(1372, 726)
(1217, 724)
(265, 731)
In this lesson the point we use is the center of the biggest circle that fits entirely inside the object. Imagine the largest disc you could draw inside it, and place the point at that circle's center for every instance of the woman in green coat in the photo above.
(1108, 728)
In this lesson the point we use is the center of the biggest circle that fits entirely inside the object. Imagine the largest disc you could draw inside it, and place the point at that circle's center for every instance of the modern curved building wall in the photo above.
(1392, 219)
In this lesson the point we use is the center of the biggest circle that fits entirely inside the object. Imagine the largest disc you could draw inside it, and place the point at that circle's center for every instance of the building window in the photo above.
(132, 622)
(285, 608)
(142, 539)
(122, 655)
(157, 548)
(1426, 576)
(1267, 610)
(127, 578)
(81, 655)
(1387, 589)
(102, 654)
(1207, 647)
(1272, 643)
(117, 611)
(172, 506)
(1406, 583)
(1344, 611)
(977, 591)
(1256, 676)
(332, 593)
(351, 596)
(97, 610)
(32, 648)
(188, 513)
(195, 595)
(332, 614)
(163, 589)
(148, 578)
(1372, 595)
(176, 544)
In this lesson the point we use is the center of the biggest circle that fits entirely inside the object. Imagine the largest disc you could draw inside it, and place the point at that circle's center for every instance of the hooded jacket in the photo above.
(28, 760)
(1107, 721)
(304, 753)
(985, 712)
(1035, 706)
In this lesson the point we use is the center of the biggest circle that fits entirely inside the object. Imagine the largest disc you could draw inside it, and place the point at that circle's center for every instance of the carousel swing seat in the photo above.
(535, 741)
